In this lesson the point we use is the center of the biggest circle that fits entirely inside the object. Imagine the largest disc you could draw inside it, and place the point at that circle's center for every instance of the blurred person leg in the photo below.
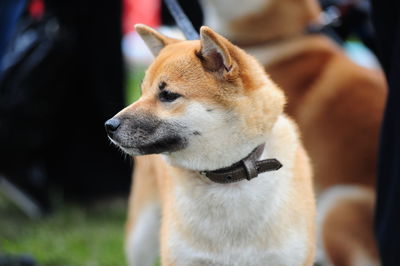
(387, 25)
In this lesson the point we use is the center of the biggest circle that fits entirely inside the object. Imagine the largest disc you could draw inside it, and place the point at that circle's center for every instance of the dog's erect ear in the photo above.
(214, 51)
(154, 40)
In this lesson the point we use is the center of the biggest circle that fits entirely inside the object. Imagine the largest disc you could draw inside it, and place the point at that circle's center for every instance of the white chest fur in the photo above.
(238, 223)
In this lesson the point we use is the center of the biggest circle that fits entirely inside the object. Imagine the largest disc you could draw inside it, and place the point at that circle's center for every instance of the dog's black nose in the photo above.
(112, 125)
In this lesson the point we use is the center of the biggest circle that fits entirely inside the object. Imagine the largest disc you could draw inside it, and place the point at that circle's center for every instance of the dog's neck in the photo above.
(213, 156)
(197, 160)
(281, 144)
(275, 19)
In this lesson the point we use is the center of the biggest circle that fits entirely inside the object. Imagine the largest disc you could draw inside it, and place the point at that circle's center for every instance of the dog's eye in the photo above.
(167, 96)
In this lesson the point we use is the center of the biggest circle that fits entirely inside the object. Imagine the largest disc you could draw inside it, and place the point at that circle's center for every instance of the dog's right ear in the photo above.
(214, 53)
(153, 39)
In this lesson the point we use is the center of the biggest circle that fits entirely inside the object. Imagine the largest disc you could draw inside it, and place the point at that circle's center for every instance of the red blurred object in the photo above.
(141, 11)
(36, 8)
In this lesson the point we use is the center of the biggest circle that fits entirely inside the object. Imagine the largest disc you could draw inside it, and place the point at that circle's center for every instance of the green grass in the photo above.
(134, 79)
(72, 235)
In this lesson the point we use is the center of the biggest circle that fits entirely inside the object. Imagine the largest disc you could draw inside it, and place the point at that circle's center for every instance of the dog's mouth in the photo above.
(165, 144)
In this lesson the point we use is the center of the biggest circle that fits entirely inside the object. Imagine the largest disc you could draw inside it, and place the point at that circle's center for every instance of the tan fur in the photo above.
(144, 194)
(303, 170)
(145, 188)
(292, 17)
(337, 104)
(241, 88)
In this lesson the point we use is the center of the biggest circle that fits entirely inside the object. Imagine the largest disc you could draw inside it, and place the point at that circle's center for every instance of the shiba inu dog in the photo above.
(224, 179)
(337, 104)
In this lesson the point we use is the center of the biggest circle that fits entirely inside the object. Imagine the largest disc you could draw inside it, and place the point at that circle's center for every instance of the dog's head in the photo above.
(204, 103)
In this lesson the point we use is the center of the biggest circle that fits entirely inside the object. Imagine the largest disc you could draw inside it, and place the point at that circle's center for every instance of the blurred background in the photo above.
(66, 66)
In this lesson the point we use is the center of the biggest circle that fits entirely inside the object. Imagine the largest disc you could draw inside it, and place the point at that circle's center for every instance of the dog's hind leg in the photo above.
(143, 225)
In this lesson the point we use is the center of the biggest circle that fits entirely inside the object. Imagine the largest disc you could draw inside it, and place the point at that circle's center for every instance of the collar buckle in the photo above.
(251, 168)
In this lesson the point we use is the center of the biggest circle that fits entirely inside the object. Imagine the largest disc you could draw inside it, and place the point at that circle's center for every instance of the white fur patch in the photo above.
(325, 203)
(362, 259)
(270, 53)
(142, 246)
(219, 14)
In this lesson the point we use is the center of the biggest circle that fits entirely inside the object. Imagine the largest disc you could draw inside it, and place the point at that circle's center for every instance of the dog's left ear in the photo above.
(153, 39)
(214, 52)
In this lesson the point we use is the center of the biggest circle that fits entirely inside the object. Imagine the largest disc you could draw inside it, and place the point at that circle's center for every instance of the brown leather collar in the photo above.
(247, 168)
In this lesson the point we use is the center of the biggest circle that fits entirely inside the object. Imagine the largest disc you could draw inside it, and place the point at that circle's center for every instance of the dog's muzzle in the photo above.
(145, 134)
